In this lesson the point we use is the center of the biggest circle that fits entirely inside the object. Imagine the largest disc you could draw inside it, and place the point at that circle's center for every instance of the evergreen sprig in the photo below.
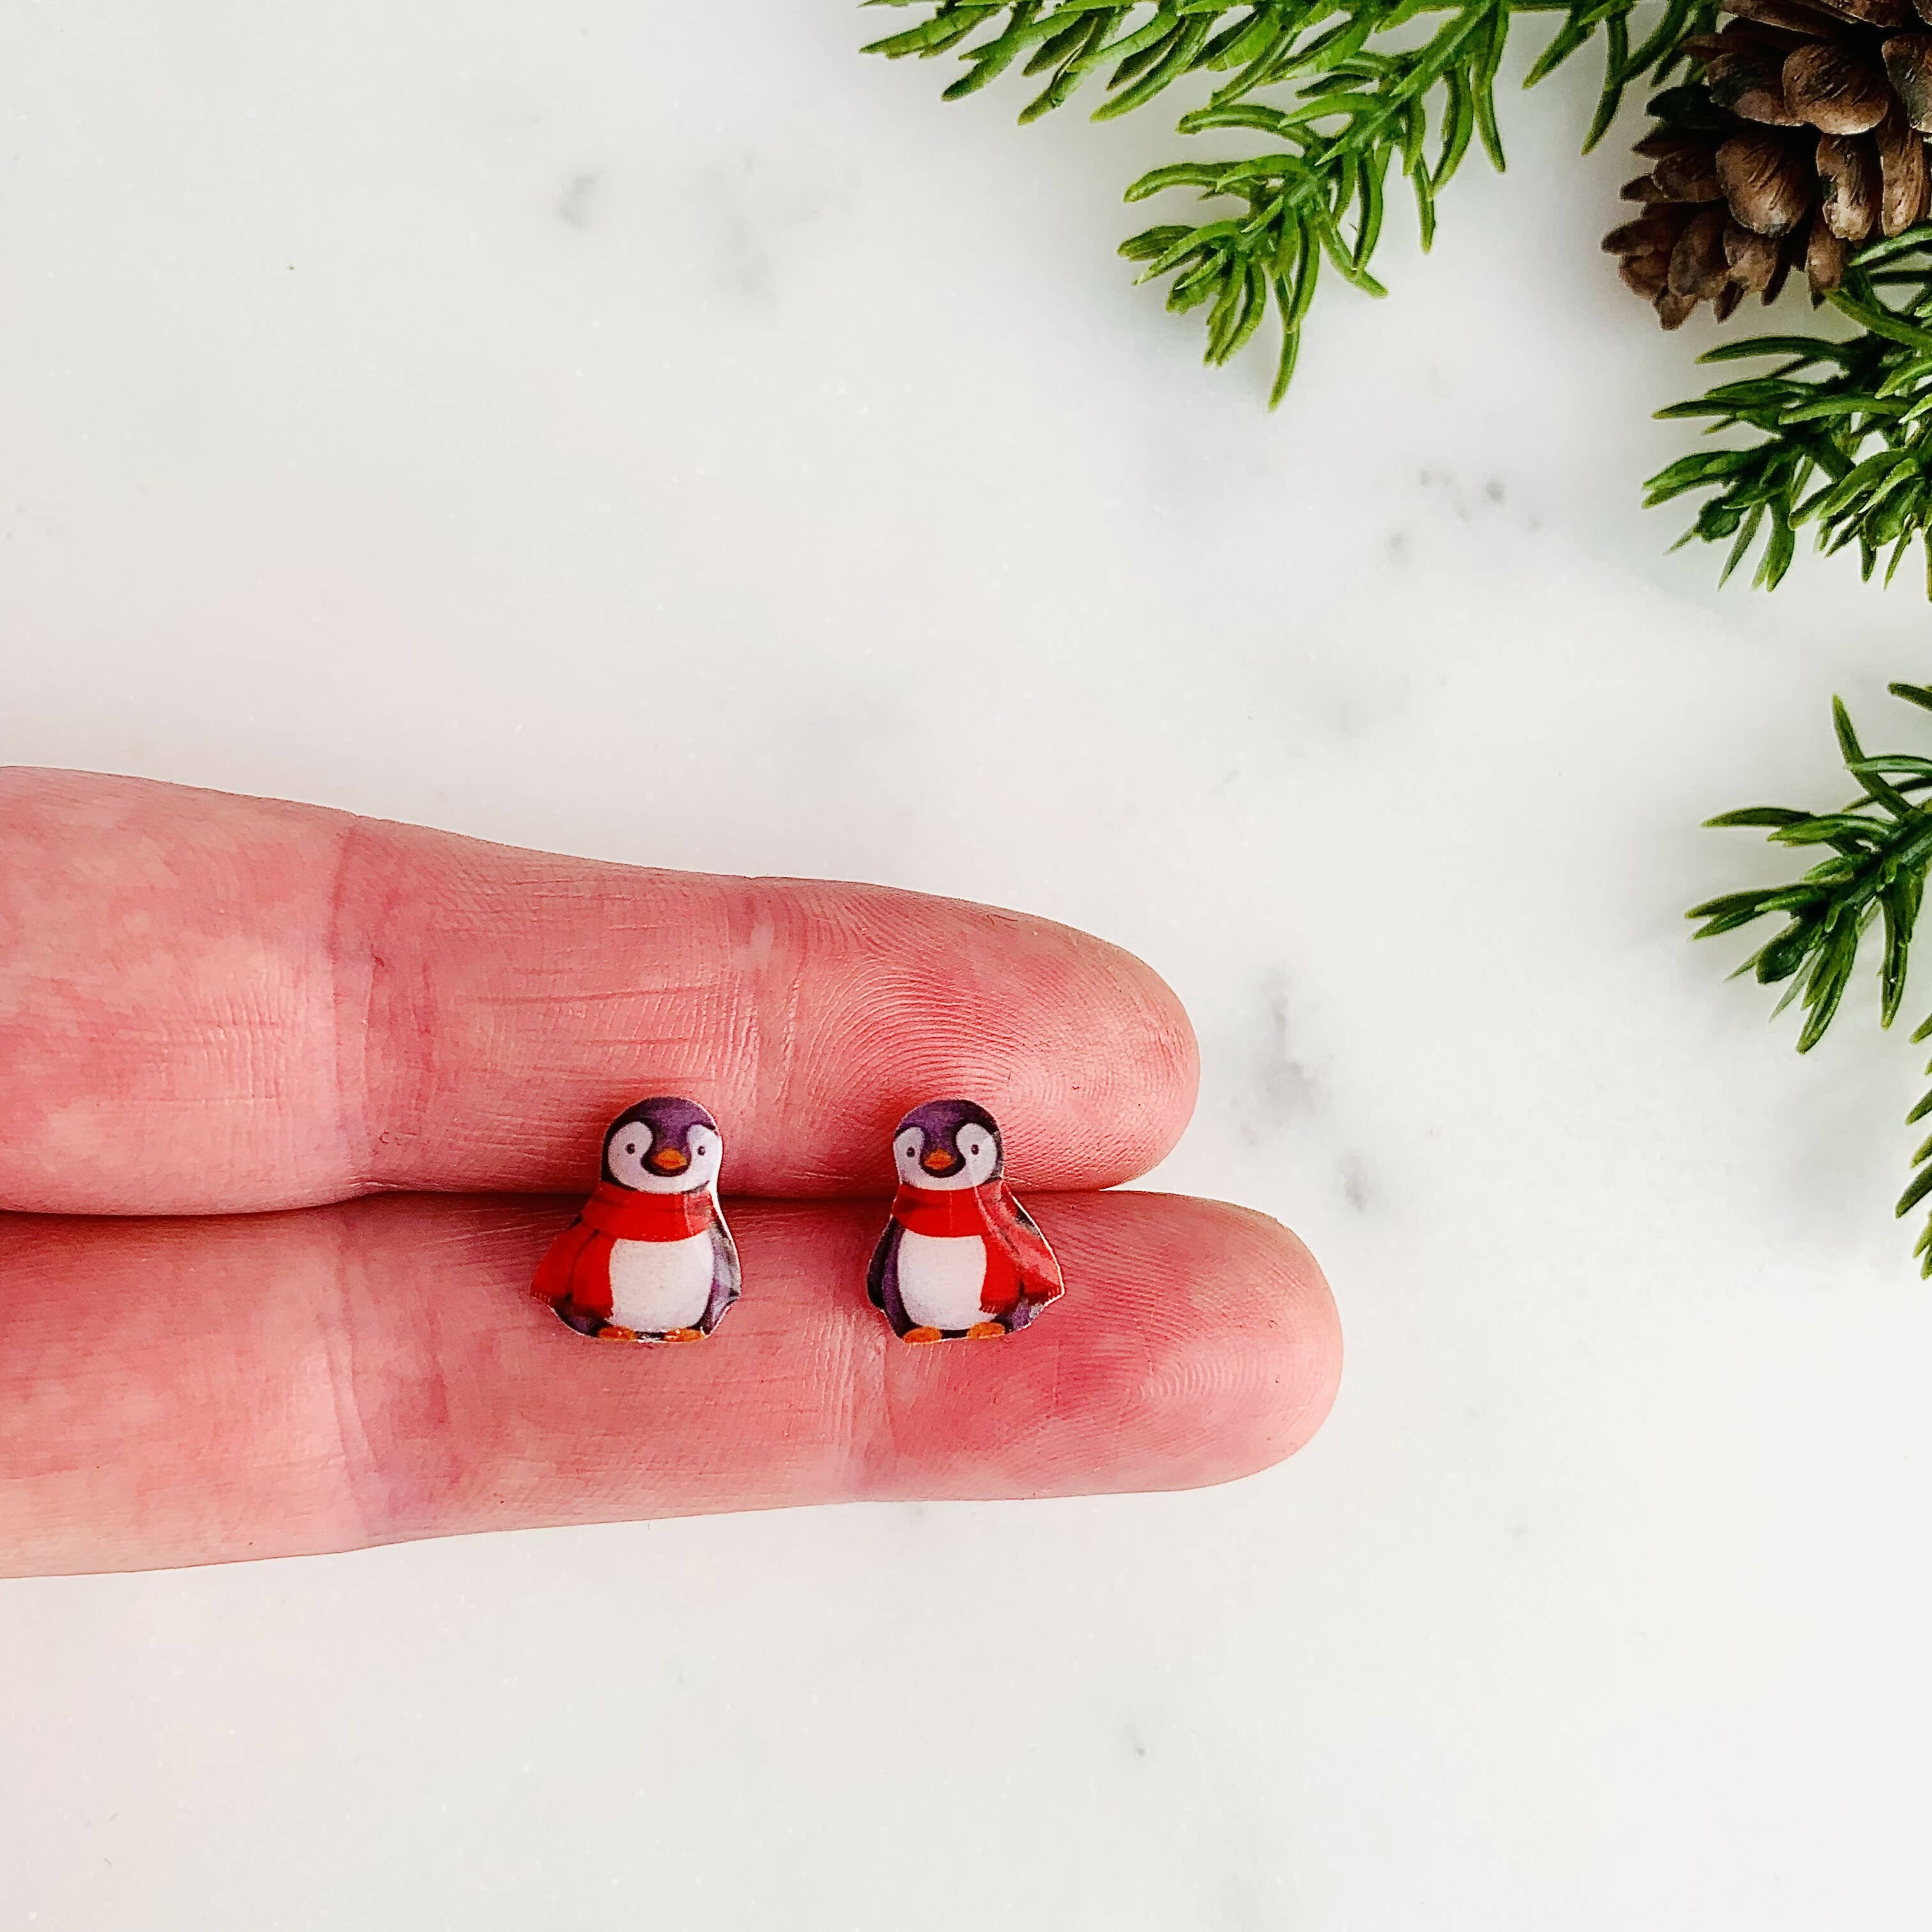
(1845, 428)
(1881, 848)
(1329, 83)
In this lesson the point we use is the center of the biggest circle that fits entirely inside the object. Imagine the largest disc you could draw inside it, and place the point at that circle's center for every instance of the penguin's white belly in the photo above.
(940, 1278)
(659, 1285)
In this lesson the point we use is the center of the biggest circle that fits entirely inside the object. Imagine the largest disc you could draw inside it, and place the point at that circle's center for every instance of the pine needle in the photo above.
(1340, 102)
(1844, 428)
(1881, 847)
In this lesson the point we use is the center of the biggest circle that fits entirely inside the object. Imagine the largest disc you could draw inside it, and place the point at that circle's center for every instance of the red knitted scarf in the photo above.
(954, 1210)
(628, 1216)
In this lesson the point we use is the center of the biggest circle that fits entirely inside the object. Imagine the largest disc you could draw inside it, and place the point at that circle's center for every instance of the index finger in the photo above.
(216, 1004)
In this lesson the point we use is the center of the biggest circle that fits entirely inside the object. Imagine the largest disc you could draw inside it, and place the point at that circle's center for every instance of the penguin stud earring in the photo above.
(649, 1258)
(961, 1259)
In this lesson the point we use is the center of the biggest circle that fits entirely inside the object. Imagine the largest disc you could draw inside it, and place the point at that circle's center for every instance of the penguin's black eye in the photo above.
(630, 1147)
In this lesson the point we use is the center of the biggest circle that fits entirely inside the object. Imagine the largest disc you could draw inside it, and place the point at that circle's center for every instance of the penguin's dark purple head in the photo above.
(939, 1123)
(665, 1152)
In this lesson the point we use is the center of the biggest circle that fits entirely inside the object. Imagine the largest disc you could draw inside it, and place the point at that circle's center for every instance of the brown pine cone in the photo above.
(1802, 134)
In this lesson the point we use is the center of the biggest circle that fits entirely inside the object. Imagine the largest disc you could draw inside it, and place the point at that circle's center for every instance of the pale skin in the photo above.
(286, 1099)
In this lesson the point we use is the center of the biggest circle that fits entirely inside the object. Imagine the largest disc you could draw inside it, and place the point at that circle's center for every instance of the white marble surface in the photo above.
(442, 411)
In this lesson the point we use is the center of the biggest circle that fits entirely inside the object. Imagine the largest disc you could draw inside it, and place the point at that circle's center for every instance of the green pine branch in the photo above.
(1881, 848)
(1346, 95)
(1341, 101)
(1844, 428)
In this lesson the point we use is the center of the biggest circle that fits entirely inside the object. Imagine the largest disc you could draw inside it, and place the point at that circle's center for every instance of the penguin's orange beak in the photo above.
(666, 1160)
(939, 1162)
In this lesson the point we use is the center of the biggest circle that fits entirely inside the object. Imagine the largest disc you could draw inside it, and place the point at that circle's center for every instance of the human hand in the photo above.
(279, 1087)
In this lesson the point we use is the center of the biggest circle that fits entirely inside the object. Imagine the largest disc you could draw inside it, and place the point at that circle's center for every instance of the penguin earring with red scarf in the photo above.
(961, 1259)
(649, 1258)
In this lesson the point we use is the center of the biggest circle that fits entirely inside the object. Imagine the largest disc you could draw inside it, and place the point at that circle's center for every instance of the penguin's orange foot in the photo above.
(922, 1335)
(684, 1334)
(985, 1331)
(611, 1332)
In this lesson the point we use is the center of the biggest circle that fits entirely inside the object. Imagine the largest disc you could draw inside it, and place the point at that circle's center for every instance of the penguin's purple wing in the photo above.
(725, 1275)
(882, 1280)
(1027, 1306)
